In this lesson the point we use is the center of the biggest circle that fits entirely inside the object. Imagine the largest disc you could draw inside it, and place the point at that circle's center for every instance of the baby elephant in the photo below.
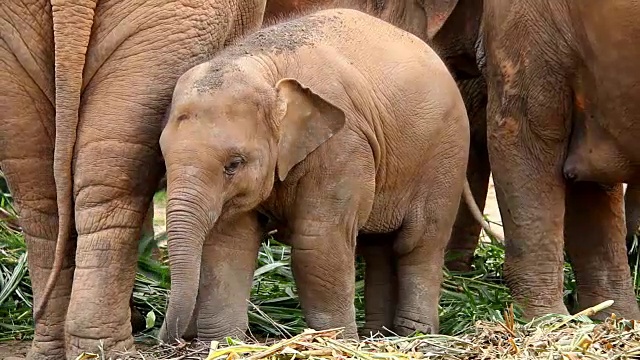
(334, 126)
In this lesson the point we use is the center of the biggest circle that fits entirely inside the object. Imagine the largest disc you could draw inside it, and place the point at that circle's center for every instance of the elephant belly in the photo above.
(609, 76)
(389, 210)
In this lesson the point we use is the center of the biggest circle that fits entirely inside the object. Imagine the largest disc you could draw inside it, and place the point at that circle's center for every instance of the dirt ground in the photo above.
(17, 350)
(14, 349)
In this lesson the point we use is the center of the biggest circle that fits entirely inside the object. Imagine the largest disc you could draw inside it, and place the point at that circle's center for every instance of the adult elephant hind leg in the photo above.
(129, 80)
(113, 191)
(528, 130)
(27, 118)
(26, 158)
(594, 235)
(380, 284)
(117, 167)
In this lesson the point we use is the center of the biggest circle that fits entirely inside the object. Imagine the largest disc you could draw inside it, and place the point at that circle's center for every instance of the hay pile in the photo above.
(549, 337)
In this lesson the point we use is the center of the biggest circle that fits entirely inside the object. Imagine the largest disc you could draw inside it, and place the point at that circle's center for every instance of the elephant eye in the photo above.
(233, 165)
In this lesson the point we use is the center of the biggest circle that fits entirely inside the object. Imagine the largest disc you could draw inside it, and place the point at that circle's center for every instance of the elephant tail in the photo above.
(72, 23)
(475, 211)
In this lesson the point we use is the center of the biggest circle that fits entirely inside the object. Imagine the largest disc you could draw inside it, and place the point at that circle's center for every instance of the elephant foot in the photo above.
(46, 350)
(460, 264)
(108, 347)
(628, 310)
(138, 321)
(369, 331)
(458, 257)
(405, 325)
(535, 311)
(622, 307)
(376, 324)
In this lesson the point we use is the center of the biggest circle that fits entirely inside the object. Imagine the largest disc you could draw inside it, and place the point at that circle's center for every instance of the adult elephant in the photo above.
(85, 86)
(550, 66)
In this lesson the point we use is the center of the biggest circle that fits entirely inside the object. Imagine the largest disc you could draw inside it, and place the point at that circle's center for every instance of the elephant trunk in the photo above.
(72, 23)
(190, 216)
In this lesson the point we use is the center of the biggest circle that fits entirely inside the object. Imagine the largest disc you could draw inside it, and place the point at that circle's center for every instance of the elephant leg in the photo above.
(29, 173)
(113, 193)
(423, 236)
(138, 321)
(531, 199)
(26, 157)
(147, 225)
(380, 284)
(117, 166)
(466, 229)
(527, 131)
(228, 262)
(420, 247)
(129, 75)
(323, 264)
(594, 234)
(117, 159)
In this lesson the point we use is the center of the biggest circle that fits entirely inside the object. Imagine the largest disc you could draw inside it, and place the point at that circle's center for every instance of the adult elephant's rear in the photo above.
(116, 63)
(27, 132)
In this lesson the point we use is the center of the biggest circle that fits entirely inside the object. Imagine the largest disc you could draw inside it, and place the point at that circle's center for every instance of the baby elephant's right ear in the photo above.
(308, 122)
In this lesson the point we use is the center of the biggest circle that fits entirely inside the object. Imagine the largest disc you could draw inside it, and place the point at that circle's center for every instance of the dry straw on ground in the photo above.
(549, 337)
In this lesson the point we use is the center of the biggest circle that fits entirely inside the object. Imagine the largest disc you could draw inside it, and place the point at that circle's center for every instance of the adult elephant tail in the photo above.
(477, 214)
(72, 23)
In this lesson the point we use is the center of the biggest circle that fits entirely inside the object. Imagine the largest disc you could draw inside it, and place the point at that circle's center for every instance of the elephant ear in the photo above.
(438, 11)
(308, 122)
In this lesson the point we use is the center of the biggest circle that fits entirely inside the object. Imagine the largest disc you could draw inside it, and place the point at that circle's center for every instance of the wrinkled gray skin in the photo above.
(457, 42)
(531, 193)
(98, 93)
(553, 67)
(321, 124)
(451, 28)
